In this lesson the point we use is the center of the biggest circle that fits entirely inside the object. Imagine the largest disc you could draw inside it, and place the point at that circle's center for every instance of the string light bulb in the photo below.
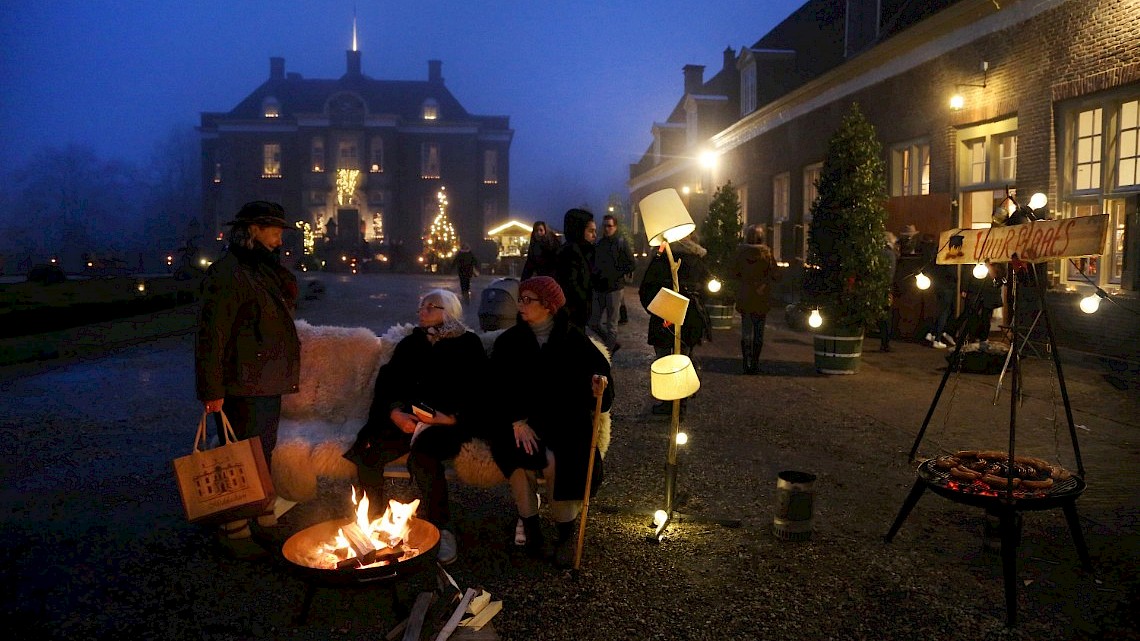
(1038, 200)
(1091, 303)
(815, 320)
(714, 285)
(659, 517)
(980, 271)
(682, 438)
(922, 281)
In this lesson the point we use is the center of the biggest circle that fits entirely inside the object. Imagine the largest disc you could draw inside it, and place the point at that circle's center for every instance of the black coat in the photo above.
(550, 387)
(247, 344)
(447, 376)
(693, 277)
(574, 267)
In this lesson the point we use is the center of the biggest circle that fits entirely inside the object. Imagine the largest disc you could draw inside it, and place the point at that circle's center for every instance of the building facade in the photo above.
(357, 161)
(1049, 95)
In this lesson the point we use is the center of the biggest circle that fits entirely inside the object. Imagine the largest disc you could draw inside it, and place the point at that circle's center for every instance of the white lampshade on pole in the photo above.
(673, 377)
(669, 305)
(665, 218)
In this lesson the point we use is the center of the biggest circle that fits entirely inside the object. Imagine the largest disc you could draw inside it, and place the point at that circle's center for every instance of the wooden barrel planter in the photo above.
(720, 315)
(838, 350)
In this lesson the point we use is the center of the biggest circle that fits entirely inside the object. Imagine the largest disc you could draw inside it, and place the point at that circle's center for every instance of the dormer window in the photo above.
(430, 109)
(270, 107)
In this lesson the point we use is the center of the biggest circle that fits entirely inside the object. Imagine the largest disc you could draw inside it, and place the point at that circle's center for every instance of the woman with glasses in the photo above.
(555, 373)
(423, 403)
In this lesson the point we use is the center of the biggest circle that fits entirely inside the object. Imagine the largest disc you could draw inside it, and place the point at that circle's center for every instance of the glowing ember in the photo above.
(387, 534)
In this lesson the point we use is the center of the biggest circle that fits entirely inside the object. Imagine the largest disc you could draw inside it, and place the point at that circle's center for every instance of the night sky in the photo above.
(582, 81)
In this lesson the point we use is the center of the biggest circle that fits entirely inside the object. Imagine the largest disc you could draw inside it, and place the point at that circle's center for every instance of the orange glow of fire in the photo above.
(388, 531)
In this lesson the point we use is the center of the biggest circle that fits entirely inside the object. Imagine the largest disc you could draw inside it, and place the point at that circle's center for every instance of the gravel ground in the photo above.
(93, 544)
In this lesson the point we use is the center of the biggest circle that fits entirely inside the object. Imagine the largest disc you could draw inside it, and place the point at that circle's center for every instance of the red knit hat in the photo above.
(547, 289)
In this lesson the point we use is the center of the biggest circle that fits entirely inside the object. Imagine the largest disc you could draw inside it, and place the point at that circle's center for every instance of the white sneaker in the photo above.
(447, 548)
(948, 339)
(938, 345)
(930, 338)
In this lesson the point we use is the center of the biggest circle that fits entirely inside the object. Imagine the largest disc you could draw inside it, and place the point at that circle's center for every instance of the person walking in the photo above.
(944, 280)
(246, 350)
(754, 269)
(423, 404)
(613, 262)
(555, 374)
(542, 254)
(466, 265)
(574, 265)
(888, 253)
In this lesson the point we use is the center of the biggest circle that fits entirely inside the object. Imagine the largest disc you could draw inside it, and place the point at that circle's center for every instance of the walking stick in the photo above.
(589, 477)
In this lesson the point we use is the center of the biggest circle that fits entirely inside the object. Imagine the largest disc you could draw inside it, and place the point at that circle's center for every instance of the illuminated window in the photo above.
(976, 161)
(270, 108)
(346, 154)
(910, 169)
(780, 185)
(430, 109)
(429, 160)
(317, 154)
(1089, 138)
(271, 160)
(1007, 158)
(490, 167)
(376, 155)
(1128, 145)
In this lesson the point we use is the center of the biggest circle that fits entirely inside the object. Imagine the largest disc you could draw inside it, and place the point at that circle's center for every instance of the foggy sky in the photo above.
(581, 80)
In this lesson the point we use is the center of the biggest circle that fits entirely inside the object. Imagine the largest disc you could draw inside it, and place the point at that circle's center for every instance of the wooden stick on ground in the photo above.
(589, 477)
(453, 622)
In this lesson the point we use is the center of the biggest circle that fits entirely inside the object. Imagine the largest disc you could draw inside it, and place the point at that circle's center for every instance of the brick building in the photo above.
(356, 158)
(1050, 95)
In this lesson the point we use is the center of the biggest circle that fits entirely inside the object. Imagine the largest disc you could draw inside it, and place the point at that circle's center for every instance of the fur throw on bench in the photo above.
(319, 423)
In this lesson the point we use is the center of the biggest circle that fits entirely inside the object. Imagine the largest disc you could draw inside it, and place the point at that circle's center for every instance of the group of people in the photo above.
(429, 398)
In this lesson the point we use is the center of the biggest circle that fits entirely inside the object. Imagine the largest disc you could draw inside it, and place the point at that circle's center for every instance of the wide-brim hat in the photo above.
(909, 230)
(263, 213)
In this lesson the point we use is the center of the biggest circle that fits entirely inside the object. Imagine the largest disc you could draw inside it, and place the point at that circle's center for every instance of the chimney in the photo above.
(729, 60)
(435, 72)
(276, 68)
(694, 78)
(353, 58)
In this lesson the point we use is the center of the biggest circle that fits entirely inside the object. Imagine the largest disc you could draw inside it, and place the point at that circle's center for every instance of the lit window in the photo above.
(376, 155)
(429, 160)
(1089, 139)
(430, 109)
(780, 185)
(317, 154)
(910, 169)
(270, 108)
(1007, 158)
(1128, 145)
(976, 155)
(271, 160)
(490, 167)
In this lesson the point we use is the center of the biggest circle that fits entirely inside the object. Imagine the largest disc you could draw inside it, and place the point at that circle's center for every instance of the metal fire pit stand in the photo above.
(1007, 507)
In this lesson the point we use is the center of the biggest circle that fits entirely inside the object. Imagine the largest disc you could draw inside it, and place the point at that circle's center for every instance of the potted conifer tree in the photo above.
(720, 234)
(846, 277)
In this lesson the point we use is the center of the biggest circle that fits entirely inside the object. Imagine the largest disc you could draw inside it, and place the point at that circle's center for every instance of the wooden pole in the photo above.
(589, 477)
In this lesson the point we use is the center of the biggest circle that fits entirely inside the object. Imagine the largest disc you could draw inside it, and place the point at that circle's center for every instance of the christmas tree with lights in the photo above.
(441, 242)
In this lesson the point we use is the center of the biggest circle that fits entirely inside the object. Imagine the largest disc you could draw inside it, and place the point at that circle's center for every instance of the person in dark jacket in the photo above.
(613, 261)
(542, 254)
(693, 277)
(888, 253)
(754, 270)
(424, 401)
(246, 350)
(466, 265)
(944, 281)
(574, 267)
(554, 373)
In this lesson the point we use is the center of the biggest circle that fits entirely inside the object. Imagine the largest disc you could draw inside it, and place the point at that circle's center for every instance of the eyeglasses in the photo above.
(609, 225)
(428, 306)
(526, 300)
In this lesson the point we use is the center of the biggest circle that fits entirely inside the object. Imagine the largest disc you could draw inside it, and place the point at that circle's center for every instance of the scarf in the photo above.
(449, 328)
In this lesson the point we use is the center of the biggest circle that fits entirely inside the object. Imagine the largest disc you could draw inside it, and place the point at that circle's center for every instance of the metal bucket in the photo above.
(838, 352)
(795, 496)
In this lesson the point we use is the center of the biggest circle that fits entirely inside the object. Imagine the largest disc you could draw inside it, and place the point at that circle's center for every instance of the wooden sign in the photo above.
(1035, 241)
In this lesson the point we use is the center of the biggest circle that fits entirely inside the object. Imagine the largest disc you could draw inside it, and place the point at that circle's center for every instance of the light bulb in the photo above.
(660, 517)
(1090, 303)
(682, 438)
(922, 280)
(815, 320)
(1038, 200)
(957, 101)
(980, 271)
(714, 285)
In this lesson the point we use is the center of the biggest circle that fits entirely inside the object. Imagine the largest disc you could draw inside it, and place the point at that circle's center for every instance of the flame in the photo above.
(388, 531)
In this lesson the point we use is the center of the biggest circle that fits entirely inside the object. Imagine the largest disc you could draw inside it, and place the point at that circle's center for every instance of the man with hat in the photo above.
(246, 351)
